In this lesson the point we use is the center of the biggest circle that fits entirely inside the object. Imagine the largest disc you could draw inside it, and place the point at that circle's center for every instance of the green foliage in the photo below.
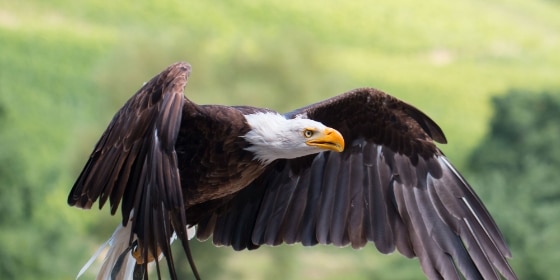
(34, 226)
(67, 66)
(525, 123)
(518, 165)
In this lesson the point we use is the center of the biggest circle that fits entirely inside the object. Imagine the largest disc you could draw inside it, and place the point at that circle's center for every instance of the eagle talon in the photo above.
(137, 254)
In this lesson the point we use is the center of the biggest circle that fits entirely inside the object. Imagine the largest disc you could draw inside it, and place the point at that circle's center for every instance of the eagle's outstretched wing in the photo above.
(391, 186)
(135, 162)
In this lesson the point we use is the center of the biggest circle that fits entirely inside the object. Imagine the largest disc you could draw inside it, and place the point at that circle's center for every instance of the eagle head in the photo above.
(272, 136)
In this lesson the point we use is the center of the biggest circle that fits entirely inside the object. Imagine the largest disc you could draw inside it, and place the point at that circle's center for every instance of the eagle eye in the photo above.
(307, 133)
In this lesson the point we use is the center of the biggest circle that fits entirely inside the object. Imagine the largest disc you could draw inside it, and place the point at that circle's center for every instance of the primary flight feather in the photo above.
(356, 168)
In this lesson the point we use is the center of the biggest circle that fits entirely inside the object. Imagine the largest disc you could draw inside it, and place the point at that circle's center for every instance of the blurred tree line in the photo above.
(517, 169)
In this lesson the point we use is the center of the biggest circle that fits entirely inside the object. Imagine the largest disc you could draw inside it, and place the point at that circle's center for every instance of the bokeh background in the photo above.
(487, 71)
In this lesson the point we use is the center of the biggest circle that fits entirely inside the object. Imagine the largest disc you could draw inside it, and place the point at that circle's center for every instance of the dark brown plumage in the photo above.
(175, 163)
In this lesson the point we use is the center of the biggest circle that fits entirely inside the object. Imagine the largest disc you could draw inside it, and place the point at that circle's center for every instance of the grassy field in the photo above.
(67, 66)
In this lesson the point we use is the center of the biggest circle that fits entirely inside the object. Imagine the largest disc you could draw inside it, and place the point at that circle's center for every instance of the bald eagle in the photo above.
(356, 168)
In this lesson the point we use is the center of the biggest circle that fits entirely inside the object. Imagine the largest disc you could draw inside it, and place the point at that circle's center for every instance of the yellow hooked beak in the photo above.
(328, 139)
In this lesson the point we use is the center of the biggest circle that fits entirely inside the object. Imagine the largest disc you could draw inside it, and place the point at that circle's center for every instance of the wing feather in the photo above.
(308, 226)
(356, 218)
(278, 202)
(262, 230)
(295, 211)
(327, 198)
(340, 205)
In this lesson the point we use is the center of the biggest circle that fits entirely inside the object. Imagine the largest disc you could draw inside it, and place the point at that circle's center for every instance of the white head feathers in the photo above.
(274, 137)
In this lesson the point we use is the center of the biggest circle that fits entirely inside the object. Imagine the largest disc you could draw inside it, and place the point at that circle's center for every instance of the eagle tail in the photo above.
(119, 262)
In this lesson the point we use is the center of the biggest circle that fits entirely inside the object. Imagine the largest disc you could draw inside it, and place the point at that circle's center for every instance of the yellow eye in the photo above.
(308, 133)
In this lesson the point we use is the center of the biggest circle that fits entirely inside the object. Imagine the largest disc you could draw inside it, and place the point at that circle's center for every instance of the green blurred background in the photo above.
(487, 71)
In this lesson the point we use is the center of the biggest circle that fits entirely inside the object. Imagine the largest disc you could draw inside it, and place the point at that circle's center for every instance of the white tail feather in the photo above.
(93, 258)
(118, 244)
(191, 232)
